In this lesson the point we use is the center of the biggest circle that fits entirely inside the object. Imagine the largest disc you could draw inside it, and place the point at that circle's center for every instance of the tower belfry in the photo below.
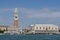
(15, 18)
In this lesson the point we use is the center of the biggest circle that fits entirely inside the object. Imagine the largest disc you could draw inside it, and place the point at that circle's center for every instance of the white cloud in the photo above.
(1, 19)
(35, 13)
(6, 9)
(38, 13)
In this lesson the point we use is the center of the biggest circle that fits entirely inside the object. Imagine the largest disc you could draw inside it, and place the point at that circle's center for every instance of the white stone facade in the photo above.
(12, 30)
(44, 28)
(3, 27)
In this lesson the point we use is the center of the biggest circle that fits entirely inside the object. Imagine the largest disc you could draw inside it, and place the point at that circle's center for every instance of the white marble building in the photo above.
(2, 27)
(44, 28)
(12, 30)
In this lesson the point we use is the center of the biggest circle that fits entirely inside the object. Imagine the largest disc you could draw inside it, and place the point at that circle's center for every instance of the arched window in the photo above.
(43, 27)
(40, 27)
(55, 28)
(52, 28)
(36, 27)
(49, 27)
(46, 28)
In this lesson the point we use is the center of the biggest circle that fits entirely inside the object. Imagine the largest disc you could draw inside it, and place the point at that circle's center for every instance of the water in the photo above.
(30, 37)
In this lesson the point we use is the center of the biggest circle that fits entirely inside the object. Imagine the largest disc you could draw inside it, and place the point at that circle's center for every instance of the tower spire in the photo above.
(16, 10)
(16, 18)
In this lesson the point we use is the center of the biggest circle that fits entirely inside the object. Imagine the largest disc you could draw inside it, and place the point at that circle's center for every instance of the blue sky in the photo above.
(30, 12)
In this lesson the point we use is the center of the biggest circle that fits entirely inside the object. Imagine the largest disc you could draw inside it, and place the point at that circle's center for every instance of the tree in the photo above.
(2, 31)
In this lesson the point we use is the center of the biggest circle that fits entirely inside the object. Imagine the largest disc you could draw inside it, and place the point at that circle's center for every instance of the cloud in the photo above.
(35, 13)
(43, 15)
(1, 19)
(6, 10)
(40, 13)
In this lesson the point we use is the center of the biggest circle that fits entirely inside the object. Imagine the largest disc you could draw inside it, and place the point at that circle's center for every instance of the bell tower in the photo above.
(15, 18)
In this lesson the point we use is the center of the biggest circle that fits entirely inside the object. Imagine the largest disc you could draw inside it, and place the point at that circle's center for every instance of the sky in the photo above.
(30, 12)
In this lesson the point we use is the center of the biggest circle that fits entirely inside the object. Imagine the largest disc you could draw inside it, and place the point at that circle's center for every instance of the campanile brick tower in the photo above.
(16, 18)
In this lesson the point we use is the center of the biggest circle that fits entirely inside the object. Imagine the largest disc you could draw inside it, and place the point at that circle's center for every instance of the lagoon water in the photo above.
(30, 37)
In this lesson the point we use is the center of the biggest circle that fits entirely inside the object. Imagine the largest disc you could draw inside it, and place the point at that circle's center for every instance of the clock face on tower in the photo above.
(15, 16)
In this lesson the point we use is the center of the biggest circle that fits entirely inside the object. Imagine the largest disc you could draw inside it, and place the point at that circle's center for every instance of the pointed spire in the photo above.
(16, 10)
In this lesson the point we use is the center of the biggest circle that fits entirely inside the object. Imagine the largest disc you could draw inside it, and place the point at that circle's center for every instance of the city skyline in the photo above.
(30, 12)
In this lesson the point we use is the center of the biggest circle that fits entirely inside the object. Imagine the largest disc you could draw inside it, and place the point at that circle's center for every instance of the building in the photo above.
(24, 31)
(12, 30)
(16, 18)
(44, 28)
(3, 27)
